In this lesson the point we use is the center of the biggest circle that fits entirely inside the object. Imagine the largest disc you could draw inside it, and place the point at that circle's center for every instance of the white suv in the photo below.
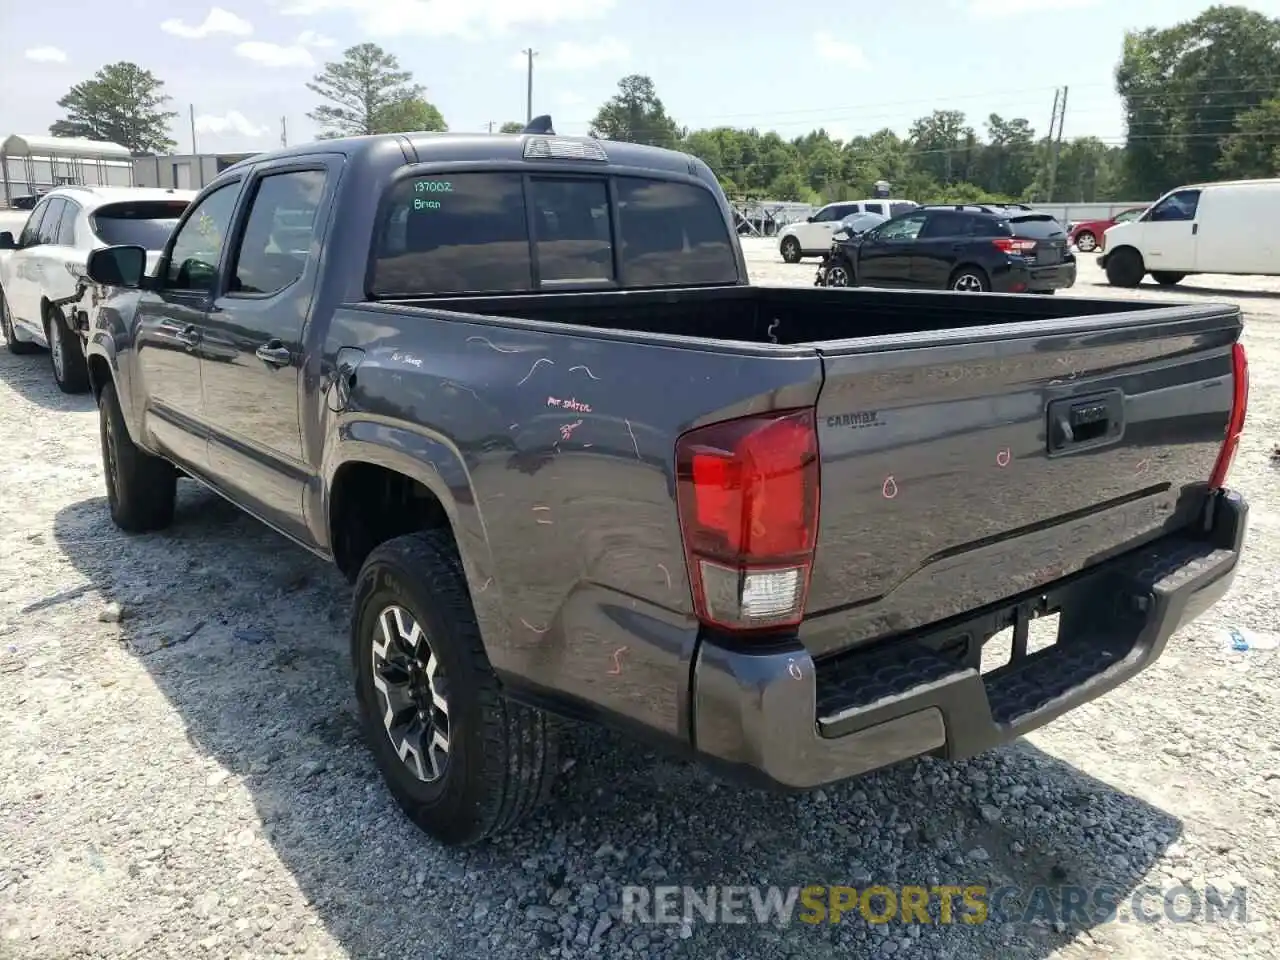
(42, 268)
(812, 237)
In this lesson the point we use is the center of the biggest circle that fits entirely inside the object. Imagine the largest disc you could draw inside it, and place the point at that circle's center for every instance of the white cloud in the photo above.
(991, 9)
(218, 21)
(841, 51)
(459, 18)
(275, 55)
(568, 56)
(309, 38)
(46, 55)
(232, 122)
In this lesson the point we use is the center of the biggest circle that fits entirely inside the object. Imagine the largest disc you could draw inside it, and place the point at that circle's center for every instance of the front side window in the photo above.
(904, 228)
(276, 243)
(1177, 206)
(571, 225)
(673, 234)
(197, 248)
(454, 233)
(31, 231)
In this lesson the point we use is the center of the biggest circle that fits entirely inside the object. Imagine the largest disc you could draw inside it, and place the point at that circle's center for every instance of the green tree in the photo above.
(122, 104)
(367, 90)
(409, 115)
(1186, 87)
(636, 114)
(1253, 148)
(511, 126)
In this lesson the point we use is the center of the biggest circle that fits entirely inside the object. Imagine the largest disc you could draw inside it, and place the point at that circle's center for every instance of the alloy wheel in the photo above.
(967, 283)
(413, 693)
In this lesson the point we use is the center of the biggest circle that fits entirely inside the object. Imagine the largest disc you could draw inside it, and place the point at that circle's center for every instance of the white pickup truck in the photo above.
(42, 268)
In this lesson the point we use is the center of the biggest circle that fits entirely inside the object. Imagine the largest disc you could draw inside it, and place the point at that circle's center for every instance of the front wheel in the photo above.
(141, 488)
(66, 353)
(1166, 279)
(16, 346)
(1124, 268)
(790, 250)
(1086, 242)
(838, 276)
(461, 760)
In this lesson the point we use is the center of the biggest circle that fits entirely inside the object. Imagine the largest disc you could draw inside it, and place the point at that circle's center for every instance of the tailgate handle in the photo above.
(1080, 423)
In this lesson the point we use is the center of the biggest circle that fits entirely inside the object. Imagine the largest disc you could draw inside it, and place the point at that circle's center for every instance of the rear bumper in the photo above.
(777, 716)
(1020, 278)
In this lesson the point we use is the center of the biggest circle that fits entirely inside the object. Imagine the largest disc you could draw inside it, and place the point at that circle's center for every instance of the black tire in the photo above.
(16, 346)
(1086, 242)
(1166, 279)
(502, 757)
(66, 354)
(969, 279)
(141, 488)
(1124, 268)
(790, 250)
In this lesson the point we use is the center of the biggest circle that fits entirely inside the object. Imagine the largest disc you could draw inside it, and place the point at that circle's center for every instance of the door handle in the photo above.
(1195, 228)
(275, 353)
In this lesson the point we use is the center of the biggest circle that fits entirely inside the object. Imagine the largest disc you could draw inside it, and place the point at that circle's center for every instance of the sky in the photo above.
(243, 66)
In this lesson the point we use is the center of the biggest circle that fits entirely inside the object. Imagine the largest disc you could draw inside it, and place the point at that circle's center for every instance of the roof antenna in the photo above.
(541, 124)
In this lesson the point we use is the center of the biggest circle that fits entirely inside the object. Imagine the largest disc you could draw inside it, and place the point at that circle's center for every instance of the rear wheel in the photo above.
(460, 759)
(1124, 268)
(11, 340)
(1086, 242)
(790, 249)
(1166, 279)
(969, 280)
(70, 368)
(141, 488)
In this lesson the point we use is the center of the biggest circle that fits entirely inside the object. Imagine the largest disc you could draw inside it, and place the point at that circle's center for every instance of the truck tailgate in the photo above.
(963, 467)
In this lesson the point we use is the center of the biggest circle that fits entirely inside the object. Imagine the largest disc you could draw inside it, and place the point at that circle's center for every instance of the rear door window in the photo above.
(454, 233)
(572, 231)
(874, 207)
(673, 234)
(947, 223)
(67, 225)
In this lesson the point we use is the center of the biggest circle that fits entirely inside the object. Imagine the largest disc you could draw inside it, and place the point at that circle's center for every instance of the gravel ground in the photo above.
(188, 781)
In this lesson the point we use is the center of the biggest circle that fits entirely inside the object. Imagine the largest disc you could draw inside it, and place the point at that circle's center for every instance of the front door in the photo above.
(1169, 233)
(169, 324)
(25, 267)
(253, 344)
(885, 254)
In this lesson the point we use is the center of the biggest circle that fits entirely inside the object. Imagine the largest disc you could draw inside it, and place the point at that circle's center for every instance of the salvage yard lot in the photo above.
(189, 782)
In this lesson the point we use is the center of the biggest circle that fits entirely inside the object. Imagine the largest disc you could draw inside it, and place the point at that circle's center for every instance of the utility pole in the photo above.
(530, 53)
(491, 126)
(192, 113)
(1056, 122)
(284, 132)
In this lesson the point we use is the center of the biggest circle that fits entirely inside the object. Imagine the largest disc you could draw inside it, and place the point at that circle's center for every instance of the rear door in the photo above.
(885, 253)
(945, 236)
(251, 349)
(940, 490)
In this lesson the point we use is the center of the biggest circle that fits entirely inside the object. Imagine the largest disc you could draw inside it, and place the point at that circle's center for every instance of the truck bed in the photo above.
(940, 490)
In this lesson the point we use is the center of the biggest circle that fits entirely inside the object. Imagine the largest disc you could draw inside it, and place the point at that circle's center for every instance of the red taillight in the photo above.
(1235, 422)
(747, 492)
(1023, 248)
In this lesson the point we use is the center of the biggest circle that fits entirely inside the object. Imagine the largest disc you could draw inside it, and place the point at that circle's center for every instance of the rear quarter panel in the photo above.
(553, 455)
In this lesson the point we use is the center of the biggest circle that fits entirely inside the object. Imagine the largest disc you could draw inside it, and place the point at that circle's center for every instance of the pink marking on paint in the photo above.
(617, 661)
(793, 668)
(666, 573)
(890, 488)
(532, 627)
(1003, 457)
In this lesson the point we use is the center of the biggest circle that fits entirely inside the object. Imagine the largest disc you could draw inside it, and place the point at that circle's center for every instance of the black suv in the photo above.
(967, 247)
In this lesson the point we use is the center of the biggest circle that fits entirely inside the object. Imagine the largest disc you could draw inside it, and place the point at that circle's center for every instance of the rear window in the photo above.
(145, 223)
(471, 233)
(1037, 227)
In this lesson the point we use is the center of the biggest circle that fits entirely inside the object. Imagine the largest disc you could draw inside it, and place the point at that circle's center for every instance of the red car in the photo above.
(1087, 236)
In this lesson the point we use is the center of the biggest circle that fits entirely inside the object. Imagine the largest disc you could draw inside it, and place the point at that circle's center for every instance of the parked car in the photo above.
(968, 248)
(770, 527)
(812, 236)
(1231, 228)
(42, 273)
(1087, 234)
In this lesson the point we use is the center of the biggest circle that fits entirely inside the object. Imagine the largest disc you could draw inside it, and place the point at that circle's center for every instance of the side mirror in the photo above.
(7, 242)
(809, 219)
(122, 266)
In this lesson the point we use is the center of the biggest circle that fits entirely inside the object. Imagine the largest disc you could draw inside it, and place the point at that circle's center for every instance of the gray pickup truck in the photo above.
(519, 389)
